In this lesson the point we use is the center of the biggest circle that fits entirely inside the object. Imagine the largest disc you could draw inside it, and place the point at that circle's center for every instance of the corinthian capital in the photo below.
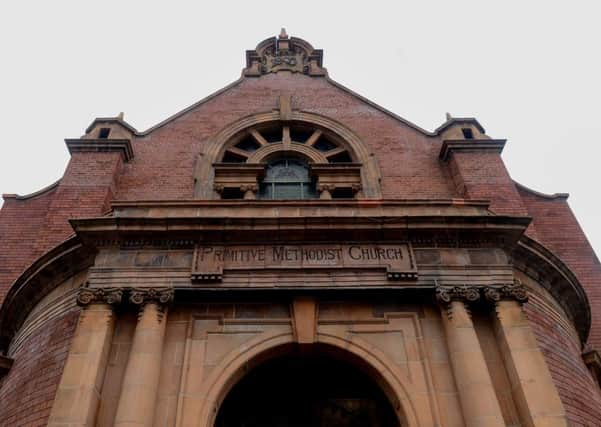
(87, 296)
(141, 296)
(446, 294)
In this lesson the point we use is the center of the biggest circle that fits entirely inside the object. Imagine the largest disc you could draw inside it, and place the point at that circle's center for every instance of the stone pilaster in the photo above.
(141, 379)
(536, 397)
(476, 392)
(78, 395)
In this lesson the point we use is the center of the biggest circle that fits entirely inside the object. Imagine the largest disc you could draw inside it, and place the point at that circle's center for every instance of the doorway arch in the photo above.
(309, 386)
(398, 389)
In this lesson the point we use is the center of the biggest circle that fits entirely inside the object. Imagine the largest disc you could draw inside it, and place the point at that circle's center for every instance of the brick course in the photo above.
(27, 392)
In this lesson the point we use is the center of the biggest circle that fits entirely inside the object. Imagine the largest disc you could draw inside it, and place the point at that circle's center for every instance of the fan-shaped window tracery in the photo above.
(250, 159)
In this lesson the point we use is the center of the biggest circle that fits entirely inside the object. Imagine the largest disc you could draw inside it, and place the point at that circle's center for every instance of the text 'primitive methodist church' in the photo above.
(286, 252)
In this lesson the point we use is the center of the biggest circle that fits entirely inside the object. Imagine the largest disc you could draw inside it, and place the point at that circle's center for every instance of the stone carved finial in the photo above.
(284, 53)
(161, 296)
(110, 296)
(446, 294)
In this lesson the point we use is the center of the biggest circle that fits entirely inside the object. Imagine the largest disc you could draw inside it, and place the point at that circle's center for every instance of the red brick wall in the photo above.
(558, 229)
(164, 162)
(29, 228)
(482, 175)
(27, 392)
(579, 393)
(20, 224)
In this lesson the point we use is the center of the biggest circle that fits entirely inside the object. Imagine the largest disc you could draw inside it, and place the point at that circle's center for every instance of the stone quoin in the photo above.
(287, 252)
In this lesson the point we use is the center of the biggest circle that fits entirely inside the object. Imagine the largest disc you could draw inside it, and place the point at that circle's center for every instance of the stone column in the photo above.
(476, 392)
(536, 397)
(78, 394)
(141, 379)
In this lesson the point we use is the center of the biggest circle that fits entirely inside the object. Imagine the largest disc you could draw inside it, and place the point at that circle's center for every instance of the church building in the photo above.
(286, 252)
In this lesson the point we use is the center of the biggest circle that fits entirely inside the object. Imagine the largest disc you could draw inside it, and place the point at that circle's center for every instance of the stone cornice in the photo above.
(538, 262)
(122, 146)
(449, 146)
(312, 225)
(41, 277)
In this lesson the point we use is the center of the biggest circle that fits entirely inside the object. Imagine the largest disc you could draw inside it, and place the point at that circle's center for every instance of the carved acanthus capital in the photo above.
(516, 291)
(446, 294)
(110, 296)
(160, 296)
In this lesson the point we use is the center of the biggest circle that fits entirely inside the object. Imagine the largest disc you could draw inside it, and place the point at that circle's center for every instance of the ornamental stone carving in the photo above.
(516, 291)
(494, 294)
(110, 296)
(160, 296)
(446, 294)
(284, 53)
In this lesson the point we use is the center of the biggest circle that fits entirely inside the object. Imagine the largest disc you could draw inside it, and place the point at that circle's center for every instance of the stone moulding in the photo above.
(450, 146)
(78, 253)
(122, 146)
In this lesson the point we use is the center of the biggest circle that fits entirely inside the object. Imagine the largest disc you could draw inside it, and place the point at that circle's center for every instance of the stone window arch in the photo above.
(336, 167)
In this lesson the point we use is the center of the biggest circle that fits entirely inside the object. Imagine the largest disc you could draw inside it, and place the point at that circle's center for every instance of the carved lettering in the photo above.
(396, 259)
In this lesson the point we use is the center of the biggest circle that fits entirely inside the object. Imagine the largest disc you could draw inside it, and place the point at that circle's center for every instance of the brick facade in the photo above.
(165, 164)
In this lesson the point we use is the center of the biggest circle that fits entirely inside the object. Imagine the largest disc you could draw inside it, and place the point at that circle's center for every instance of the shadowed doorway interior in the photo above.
(306, 390)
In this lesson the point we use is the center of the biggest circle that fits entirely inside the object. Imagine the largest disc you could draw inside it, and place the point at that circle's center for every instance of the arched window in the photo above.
(287, 178)
(286, 161)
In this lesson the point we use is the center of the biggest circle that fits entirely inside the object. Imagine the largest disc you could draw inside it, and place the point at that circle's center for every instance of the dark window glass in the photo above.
(323, 144)
(104, 133)
(340, 158)
(467, 133)
(272, 135)
(300, 135)
(233, 158)
(287, 179)
(248, 144)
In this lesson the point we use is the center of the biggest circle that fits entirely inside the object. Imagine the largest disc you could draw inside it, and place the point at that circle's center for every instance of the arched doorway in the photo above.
(306, 388)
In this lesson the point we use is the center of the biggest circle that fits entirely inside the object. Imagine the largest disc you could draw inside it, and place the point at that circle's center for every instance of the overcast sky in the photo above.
(530, 71)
